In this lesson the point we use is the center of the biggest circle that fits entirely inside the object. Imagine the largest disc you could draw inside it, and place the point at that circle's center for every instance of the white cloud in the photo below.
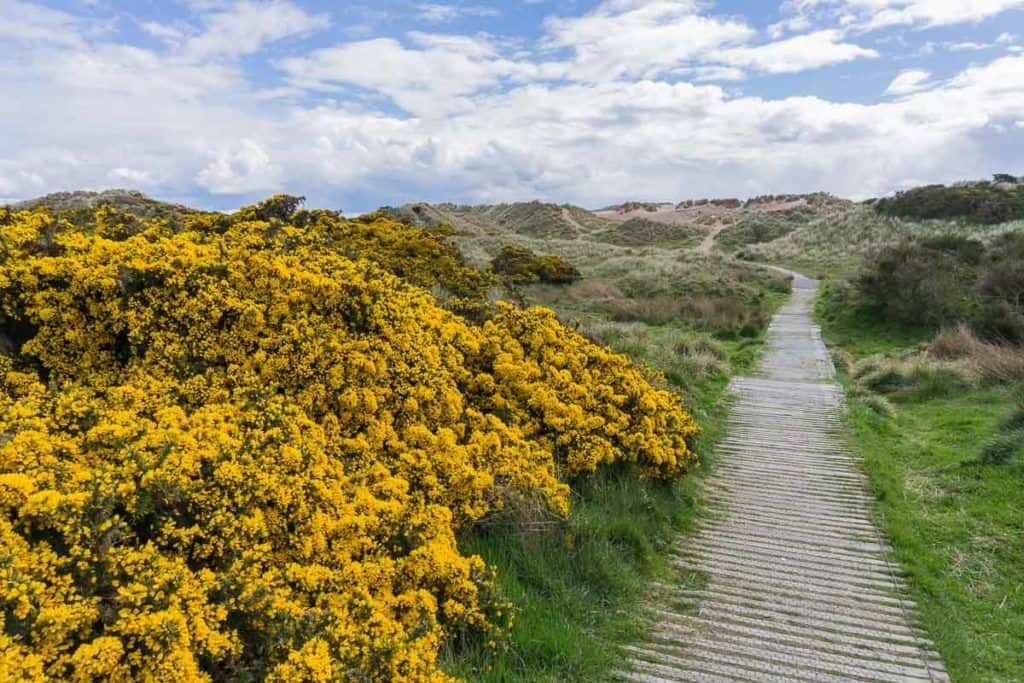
(636, 38)
(438, 13)
(719, 73)
(909, 82)
(22, 22)
(411, 76)
(968, 46)
(799, 53)
(244, 27)
(242, 168)
(132, 175)
(791, 25)
(875, 14)
(480, 125)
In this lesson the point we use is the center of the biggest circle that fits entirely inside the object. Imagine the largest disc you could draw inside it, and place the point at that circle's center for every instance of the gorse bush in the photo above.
(521, 266)
(242, 448)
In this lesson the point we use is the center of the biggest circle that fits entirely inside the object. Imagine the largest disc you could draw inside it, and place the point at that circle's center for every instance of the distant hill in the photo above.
(533, 219)
(83, 203)
(712, 211)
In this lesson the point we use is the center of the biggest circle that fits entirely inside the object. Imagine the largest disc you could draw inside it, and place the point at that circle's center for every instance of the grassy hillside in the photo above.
(833, 242)
(80, 206)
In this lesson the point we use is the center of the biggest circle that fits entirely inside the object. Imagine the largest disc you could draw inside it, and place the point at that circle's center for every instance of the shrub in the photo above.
(877, 403)
(913, 284)
(998, 364)
(699, 344)
(657, 310)
(954, 344)
(1004, 448)
(925, 379)
(842, 361)
(243, 451)
(885, 379)
(521, 266)
(982, 202)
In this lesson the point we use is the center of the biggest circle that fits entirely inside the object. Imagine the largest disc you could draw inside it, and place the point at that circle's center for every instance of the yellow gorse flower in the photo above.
(243, 447)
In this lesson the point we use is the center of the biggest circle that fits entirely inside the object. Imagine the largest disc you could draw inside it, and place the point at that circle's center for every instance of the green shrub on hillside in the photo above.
(521, 266)
(940, 282)
(986, 203)
(915, 283)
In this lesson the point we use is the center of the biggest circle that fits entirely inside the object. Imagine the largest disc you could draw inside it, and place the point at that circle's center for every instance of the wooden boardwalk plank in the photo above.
(799, 582)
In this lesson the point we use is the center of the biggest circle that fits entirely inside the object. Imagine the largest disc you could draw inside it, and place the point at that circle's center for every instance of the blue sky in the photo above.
(359, 104)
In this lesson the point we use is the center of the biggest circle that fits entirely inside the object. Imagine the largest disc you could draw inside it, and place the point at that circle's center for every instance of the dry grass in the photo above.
(989, 363)
(996, 364)
(954, 344)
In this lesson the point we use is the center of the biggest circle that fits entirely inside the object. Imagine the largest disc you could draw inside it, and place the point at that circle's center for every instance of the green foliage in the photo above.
(984, 203)
(1004, 448)
(521, 266)
(575, 584)
(951, 513)
(915, 284)
(280, 207)
(940, 281)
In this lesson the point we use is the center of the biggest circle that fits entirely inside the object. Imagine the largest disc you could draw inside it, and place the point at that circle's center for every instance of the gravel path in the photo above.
(798, 585)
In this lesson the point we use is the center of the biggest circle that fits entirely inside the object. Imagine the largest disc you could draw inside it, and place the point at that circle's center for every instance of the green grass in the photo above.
(956, 525)
(576, 587)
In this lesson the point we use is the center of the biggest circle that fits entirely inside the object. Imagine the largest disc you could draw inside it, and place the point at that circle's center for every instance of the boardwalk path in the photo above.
(799, 587)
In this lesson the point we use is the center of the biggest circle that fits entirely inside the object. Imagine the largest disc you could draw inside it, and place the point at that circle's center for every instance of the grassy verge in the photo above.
(575, 586)
(956, 525)
(578, 586)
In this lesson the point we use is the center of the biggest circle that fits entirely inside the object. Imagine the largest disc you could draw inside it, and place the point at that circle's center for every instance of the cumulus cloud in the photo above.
(640, 39)
(437, 13)
(476, 122)
(908, 82)
(240, 168)
(410, 75)
(799, 53)
(875, 14)
(244, 27)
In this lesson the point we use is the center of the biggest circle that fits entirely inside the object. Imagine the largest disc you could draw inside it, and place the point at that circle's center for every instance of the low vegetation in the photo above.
(642, 232)
(979, 202)
(520, 266)
(257, 447)
(935, 408)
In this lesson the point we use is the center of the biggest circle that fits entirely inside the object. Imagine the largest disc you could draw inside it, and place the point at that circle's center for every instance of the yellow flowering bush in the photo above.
(242, 448)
